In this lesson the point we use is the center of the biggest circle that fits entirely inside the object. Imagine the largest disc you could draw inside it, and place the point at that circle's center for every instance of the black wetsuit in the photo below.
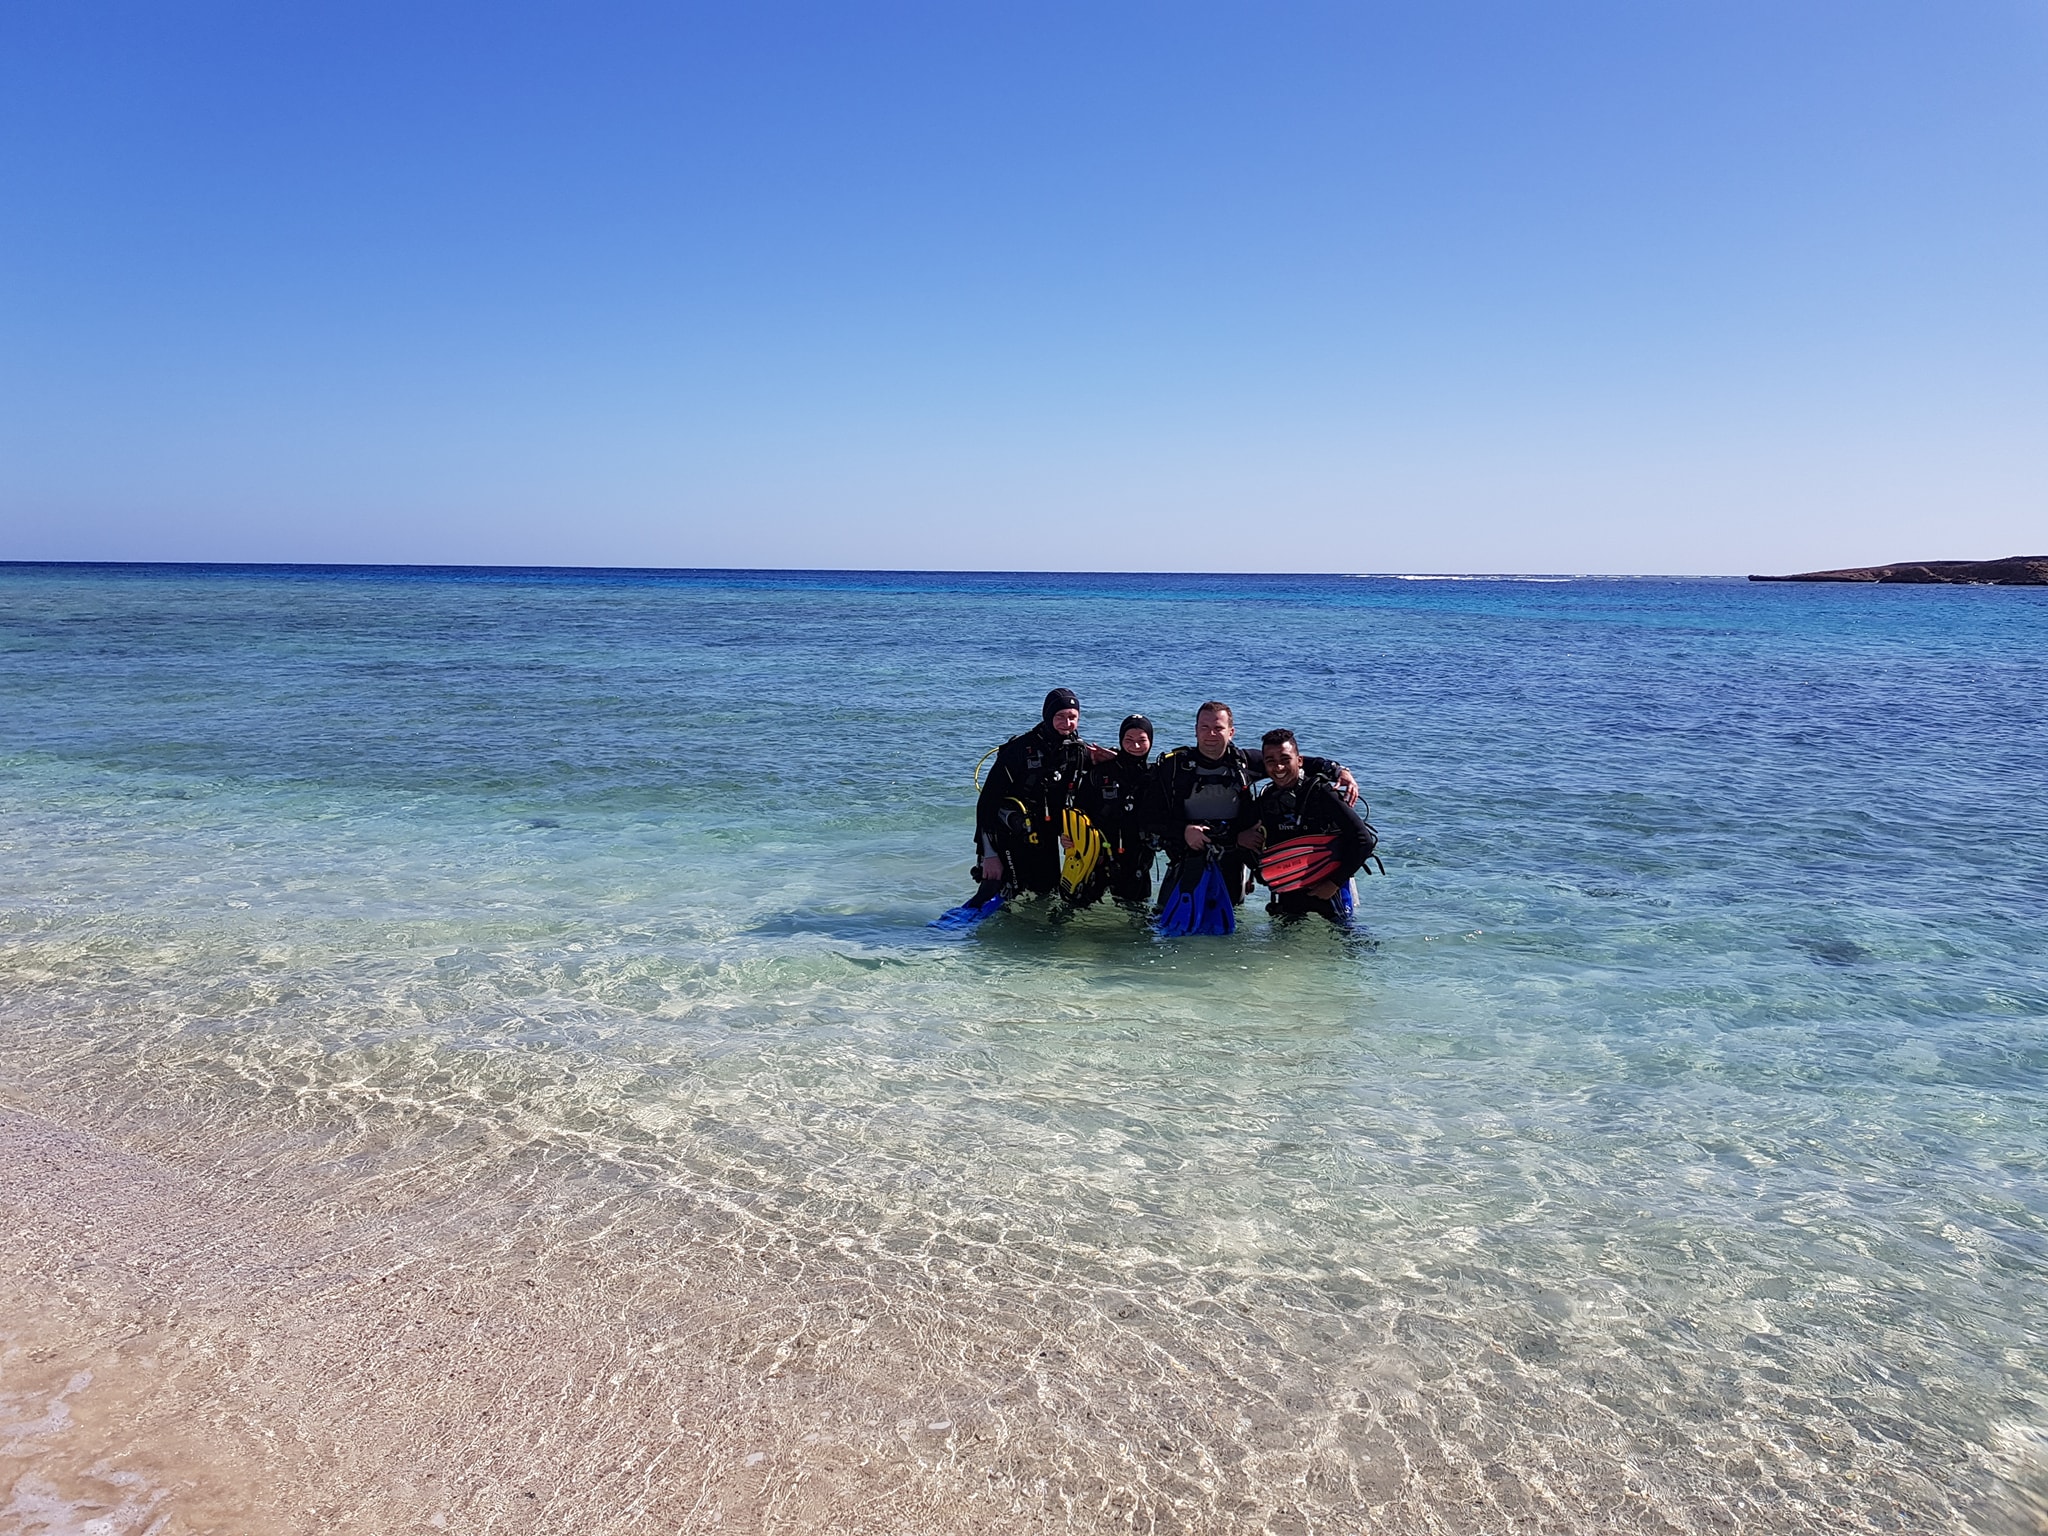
(1189, 789)
(1116, 802)
(1314, 805)
(1035, 777)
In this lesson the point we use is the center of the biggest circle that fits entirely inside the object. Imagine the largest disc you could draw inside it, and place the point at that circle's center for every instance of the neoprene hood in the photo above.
(1057, 700)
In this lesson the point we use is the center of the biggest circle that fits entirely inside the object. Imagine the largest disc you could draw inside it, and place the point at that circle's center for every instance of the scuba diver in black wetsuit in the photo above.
(1035, 778)
(1119, 785)
(1299, 803)
(1203, 794)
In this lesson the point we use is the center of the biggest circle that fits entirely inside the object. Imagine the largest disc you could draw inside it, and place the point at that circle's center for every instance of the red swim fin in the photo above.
(1300, 861)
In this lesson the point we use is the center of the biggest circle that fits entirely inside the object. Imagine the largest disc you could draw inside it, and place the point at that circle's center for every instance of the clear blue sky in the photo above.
(1540, 285)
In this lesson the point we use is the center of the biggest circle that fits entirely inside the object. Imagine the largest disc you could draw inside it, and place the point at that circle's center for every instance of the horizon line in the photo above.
(771, 570)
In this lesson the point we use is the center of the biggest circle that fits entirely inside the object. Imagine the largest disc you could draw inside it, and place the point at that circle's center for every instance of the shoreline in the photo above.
(2006, 571)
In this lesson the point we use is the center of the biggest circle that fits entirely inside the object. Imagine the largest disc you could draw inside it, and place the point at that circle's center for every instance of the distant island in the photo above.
(2012, 571)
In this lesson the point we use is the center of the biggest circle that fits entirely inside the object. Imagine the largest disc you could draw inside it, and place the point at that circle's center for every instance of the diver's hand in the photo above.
(1253, 838)
(1324, 891)
(1348, 785)
(1066, 844)
(1197, 836)
(991, 868)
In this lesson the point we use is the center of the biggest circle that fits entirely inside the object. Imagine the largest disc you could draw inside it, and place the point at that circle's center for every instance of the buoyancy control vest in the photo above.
(1117, 787)
(1193, 789)
(1314, 804)
(1034, 778)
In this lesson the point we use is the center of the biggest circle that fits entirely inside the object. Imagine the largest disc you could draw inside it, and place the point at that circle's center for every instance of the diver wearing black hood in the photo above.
(1117, 789)
(1034, 778)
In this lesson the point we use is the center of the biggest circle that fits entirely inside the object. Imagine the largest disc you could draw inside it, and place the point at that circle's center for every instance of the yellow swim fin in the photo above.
(1085, 860)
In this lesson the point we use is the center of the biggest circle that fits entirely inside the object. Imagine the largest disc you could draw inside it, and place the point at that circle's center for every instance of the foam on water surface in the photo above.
(548, 954)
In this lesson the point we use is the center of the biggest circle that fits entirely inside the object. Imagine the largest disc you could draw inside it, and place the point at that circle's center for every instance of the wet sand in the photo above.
(193, 1344)
(208, 1331)
(216, 1331)
(222, 1328)
(201, 1336)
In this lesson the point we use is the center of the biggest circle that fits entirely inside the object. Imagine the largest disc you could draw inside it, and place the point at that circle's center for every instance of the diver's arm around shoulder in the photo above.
(1329, 768)
(1340, 816)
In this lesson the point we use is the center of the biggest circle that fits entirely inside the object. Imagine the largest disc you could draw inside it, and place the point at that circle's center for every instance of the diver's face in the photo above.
(1283, 764)
(1137, 741)
(1213, 731)
(1065, 722)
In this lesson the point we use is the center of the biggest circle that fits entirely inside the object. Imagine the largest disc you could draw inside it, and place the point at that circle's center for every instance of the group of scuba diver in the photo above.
(1067, 821)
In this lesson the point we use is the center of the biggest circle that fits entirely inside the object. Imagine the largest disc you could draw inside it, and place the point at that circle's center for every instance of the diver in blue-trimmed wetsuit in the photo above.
(1300, 802)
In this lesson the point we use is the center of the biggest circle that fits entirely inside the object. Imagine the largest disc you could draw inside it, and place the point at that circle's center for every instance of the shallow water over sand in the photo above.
(507, 1008)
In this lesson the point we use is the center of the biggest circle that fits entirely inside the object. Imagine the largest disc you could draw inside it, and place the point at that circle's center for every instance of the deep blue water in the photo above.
(1681, 1100)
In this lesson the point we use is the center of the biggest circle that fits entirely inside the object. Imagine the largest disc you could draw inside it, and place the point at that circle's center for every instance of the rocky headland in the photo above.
(2012, 571)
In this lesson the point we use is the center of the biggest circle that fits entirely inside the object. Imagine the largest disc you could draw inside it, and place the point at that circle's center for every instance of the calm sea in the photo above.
(1666, 1151)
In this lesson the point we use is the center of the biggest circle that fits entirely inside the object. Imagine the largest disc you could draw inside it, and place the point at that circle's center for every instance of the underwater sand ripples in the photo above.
(1206, 1281)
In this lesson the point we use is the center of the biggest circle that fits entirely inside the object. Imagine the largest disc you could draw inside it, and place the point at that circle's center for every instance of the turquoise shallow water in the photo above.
(1671, 1141)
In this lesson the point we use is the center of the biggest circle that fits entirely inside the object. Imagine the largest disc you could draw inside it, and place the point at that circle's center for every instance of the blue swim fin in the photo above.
(1176, 911)
(1215, 912)
(1342, 906)
(986, 902)
(1204, 907)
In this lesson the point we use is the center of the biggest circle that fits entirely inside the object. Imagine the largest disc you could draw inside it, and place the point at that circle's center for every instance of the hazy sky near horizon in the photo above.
(1509, 285)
